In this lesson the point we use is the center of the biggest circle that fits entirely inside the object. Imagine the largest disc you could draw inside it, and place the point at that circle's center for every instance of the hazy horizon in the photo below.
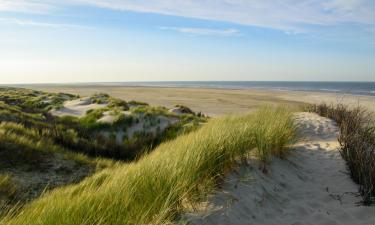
(50, 41)
(182, 81)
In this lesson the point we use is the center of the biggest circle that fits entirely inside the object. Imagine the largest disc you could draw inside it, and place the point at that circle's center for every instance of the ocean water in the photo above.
(356, 88)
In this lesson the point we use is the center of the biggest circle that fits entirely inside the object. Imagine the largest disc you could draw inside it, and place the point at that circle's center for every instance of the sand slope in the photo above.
(311, 187)
(77, 107)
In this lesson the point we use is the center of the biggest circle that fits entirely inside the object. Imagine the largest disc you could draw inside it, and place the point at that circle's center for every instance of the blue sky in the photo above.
(142, 40)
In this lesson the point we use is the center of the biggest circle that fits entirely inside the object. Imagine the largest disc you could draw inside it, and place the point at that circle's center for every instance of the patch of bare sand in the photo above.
(77, 107)
(311, 187)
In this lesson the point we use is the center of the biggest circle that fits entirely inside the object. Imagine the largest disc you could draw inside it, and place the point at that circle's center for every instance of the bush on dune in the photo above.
(156, 189)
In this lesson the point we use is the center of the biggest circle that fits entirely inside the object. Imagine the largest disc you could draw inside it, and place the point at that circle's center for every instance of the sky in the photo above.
(54, 41)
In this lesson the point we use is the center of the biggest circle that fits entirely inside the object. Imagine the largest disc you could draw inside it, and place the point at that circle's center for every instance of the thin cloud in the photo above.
(40, 24)
(203, 31)
(30, 6)
(291, 16)
(287, 15)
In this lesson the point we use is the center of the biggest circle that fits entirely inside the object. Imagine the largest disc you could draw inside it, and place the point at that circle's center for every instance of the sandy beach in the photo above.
(212, 101)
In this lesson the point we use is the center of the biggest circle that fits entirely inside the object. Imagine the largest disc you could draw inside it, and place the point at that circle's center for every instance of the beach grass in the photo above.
(158, 187)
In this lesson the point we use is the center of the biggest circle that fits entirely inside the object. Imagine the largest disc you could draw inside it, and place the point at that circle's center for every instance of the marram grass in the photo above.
(155, 189)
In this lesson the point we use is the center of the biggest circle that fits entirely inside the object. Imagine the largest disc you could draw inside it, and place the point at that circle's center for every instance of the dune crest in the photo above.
(311, 187)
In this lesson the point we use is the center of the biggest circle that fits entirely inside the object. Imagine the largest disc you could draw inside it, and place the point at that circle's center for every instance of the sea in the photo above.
(354, 88)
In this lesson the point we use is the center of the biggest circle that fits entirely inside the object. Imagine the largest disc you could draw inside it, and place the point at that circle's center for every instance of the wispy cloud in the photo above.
(203, 31)
(291, 16)
(287, 15)
(40, 24)
(27, 6)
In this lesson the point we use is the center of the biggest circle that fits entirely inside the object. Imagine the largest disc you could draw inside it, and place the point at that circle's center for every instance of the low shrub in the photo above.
(137, 103)
(185, 109)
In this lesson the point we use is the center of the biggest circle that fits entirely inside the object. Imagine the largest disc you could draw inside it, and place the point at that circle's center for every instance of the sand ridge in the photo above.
(311, 187)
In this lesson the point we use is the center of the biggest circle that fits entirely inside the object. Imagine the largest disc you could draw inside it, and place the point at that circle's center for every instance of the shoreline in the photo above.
(139, 85)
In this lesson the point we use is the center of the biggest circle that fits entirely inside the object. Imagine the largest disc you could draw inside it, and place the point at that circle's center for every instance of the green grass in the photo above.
(277, 136)
(30, 109)
(33, 101)
(149, 110)
(157, 188)
(21, 145)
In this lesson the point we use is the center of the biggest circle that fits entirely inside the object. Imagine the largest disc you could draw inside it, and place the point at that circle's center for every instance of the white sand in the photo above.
(108, 117)
(77, 107)
(176, 111)
(111, 117)
(311, 187)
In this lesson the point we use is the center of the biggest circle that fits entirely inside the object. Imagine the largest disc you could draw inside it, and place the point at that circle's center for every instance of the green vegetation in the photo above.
(21, 145)
(277, 135)
(157, 188)
(87, 134)
(357, 143)
(189, 156)
(137, 103)
(33, 101)
(40, 164)
(43, 151)
(185, 109)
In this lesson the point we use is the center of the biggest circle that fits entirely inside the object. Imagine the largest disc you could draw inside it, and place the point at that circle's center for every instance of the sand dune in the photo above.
(311, 187)
(77, 107)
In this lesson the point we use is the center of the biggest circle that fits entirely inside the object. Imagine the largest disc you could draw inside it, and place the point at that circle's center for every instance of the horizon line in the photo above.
(185, 81)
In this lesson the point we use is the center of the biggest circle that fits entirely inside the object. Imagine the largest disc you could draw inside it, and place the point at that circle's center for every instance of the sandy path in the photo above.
(311, 187)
